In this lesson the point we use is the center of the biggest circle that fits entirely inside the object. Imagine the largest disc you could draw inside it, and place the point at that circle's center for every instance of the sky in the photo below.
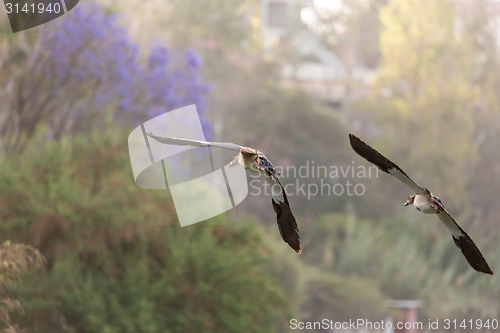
(307, 14)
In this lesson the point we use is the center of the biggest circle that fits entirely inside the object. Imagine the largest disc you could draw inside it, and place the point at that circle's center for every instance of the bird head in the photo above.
(410, 200)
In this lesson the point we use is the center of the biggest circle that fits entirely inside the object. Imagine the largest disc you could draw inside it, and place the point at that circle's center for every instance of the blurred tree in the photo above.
(71, 84)
(479, 28)
(227, 34)
(413, 98)
(352, 31)
(225, 23)
(400, 260)
(338, 298)
(117, 259)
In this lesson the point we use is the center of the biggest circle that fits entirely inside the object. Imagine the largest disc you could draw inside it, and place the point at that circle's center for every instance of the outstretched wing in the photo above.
(464, 243)
(286, 221)
(194, 143)
(383, 163)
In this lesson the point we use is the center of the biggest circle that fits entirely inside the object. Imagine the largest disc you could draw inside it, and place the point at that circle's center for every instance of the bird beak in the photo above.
(406, 203)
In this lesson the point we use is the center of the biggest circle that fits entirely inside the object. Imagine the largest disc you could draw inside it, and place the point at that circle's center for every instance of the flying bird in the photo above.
(255, 161)
(426, 202)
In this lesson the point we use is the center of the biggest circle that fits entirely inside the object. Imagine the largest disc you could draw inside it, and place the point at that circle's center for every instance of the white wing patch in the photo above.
(406, 180)
(450, 223)
(194, 143)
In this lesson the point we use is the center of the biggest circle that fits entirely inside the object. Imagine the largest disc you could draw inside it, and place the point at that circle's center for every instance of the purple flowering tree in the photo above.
(86, 72)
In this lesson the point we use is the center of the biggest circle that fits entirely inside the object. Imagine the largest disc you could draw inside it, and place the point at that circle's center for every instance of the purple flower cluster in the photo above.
(93, 59)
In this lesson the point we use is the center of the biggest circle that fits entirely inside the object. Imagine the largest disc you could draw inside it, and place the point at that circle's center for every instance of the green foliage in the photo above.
(413, 97)
(338, 298)
(479, 31)
(291, 130)
(403, 260)
(168, 280)
(118, 261)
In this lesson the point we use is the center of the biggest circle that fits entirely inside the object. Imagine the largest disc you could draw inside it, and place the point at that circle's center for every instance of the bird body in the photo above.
(425, 202)
(422, 203)
(245, 159)
(254, 161)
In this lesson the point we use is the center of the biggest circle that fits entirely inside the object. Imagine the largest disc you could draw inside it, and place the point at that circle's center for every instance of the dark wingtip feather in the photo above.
(287, 225)
(472, 254)
(371, 155)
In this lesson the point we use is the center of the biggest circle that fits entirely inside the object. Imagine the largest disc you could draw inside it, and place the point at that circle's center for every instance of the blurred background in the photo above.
(86, 250)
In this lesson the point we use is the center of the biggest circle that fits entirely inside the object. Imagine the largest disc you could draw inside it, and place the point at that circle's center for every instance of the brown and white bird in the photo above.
(425, 202)
(254, 161)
